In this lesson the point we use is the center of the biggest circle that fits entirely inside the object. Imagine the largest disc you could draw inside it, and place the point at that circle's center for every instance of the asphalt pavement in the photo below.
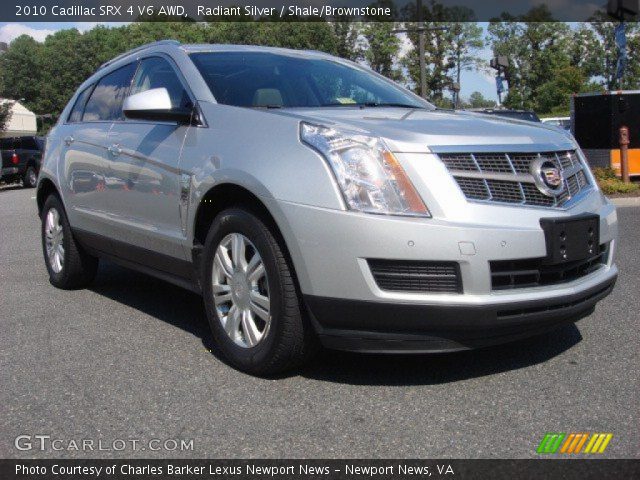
(129, 359)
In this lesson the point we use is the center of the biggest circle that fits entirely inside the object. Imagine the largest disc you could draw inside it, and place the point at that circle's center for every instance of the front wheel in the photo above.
(251, 297)
(69, 266)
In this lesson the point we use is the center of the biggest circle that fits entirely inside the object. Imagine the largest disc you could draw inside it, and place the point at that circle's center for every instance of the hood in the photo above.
(406, 130)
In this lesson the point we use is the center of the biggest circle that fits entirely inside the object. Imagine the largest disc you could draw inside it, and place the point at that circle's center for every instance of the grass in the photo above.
(611, 184)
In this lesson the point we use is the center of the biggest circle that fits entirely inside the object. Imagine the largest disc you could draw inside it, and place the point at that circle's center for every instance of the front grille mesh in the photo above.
(416, 276)
(486, 177)
(509, 274)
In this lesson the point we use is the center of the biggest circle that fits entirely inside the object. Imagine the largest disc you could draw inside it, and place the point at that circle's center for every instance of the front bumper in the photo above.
(416, 328)
(330, 248)
(9, 172)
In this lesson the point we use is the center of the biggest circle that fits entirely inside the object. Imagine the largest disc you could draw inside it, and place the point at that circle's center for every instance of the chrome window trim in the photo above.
(137, 60)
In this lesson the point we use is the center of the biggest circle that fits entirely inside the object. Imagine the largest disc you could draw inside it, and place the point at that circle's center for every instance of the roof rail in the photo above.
(138, 49)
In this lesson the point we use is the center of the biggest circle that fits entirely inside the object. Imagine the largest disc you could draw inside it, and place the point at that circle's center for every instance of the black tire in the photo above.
(79, 268)
(290, 339)
(30, 178)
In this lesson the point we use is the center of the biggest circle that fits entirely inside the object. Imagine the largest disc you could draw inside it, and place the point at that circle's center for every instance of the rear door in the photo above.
(144, 167)
(84, 155)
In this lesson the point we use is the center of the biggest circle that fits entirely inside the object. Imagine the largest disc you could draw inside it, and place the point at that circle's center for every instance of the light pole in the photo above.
(423, 66)
(499, 63)
(420, 30)
(622, 10)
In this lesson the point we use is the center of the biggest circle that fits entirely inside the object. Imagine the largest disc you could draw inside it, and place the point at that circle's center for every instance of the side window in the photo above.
(156, 72)
(78, 107)
(106, 99)
(6, 143)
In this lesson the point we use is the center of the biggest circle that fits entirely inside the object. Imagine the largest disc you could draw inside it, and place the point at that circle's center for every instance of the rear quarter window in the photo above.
(78, 107)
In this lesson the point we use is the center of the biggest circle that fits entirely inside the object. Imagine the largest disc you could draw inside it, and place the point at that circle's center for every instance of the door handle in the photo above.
(114, 150)
(68, 140)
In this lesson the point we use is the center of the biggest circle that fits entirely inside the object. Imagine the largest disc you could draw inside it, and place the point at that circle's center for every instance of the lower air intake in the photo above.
(416, 276)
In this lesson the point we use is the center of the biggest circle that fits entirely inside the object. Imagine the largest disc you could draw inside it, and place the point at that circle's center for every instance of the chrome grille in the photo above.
(474, 188)
(536, 197)
(502, 191)
(493, 163)
(506, 177)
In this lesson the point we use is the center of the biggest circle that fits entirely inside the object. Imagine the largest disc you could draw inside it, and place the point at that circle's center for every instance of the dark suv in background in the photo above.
(21, 157)
(527, 115)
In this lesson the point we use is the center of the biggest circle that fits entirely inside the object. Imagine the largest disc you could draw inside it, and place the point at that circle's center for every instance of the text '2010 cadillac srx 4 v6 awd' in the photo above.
(311, 202)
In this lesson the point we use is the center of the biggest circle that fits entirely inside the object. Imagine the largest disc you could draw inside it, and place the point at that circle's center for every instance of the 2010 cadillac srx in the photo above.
(311, 201)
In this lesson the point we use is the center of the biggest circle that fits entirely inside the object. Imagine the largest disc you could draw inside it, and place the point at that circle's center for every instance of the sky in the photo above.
(483, 82)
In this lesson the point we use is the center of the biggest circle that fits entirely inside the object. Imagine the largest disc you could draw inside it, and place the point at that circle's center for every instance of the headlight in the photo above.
(370, 177)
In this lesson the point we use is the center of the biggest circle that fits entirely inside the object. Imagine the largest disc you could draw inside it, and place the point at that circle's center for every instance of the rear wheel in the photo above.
(69, 266)
(251, 298)
(30, 178)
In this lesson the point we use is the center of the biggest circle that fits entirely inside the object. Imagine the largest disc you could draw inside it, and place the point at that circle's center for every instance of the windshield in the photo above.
(272, 80)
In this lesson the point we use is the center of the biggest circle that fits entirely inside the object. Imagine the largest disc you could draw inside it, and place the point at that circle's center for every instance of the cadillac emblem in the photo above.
(547, 176)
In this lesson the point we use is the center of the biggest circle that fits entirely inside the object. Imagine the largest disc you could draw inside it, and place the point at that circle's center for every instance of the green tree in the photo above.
(477, 100)
(21, 68)
(554, 95)
(537, 49)
(5, 114)
(67, 60)
(383, 48)
(467, 40)
(451, 47)
(382, 44)
(594, 50)
(346, 33)
(298, 35)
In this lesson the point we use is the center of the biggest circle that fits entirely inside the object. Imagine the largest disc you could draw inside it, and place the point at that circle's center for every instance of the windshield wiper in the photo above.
(373, 104)
(388, 104)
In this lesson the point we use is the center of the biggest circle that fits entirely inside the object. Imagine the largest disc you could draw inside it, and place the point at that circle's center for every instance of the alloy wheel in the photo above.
(54, 237)
(241, 291)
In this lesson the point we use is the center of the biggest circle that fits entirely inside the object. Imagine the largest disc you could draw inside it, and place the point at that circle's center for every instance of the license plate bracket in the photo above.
(571, 239)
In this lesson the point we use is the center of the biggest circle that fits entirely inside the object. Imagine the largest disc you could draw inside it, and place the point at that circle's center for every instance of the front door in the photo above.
(144, 196)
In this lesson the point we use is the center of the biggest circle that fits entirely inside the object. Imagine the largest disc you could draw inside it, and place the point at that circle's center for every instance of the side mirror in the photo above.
(155, 104)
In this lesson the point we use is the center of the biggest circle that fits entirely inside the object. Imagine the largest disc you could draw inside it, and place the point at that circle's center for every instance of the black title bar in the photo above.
(198, 469)
(306, 10)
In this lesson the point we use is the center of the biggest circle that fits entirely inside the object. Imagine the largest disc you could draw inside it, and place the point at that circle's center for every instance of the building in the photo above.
(22, 121)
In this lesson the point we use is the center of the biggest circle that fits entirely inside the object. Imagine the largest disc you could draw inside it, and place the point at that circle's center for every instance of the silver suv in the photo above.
(311, 201)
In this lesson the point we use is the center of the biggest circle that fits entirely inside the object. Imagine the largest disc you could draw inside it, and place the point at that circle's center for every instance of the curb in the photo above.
(626, 201)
